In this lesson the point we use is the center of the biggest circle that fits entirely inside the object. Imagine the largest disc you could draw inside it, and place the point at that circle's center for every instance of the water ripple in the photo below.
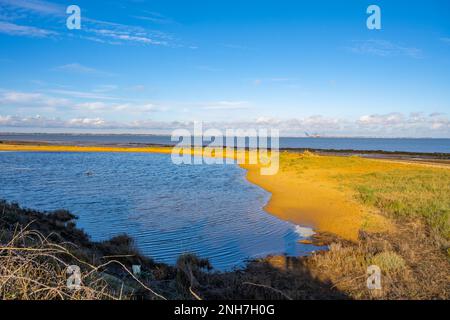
(209, 210)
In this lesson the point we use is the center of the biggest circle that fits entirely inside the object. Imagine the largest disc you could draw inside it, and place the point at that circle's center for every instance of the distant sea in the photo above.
(425, 145)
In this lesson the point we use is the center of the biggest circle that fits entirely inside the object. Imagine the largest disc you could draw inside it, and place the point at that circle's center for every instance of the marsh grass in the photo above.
(407, 193)
(388, 261)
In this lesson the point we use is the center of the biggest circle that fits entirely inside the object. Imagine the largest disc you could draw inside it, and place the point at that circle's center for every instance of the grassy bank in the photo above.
(36, 249)
(406, 193)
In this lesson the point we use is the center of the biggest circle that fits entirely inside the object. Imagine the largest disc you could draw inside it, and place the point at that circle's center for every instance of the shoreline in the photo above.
(312, 199)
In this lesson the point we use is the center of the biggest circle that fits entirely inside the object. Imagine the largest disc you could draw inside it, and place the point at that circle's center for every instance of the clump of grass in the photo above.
(388, 261)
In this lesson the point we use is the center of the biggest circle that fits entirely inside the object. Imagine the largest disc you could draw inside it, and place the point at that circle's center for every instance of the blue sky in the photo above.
(153, 66)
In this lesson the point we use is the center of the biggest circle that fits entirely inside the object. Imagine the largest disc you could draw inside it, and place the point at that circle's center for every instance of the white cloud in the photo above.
(66, 100)
(384, 48)
(37, 6)
(20, 30)
(82, 94)
(130, 108)
(386, 125)
(155, 17)
(86, 123)
(81, 69)
(129, 36)
(27, 99)
(388, 119)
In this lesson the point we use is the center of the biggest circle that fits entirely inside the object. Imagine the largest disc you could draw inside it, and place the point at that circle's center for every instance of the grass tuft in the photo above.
(389, 261)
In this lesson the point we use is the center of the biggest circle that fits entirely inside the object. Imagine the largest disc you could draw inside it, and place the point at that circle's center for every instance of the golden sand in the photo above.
(62, 148)
(311, 196)
(306, 190)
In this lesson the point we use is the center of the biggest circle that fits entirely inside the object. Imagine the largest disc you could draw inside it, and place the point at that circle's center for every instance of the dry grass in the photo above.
(32, 268)
(413, 267)
(37, 248)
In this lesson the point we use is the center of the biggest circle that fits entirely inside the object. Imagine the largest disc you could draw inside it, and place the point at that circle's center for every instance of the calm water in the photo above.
(407, 145)
(168, 209)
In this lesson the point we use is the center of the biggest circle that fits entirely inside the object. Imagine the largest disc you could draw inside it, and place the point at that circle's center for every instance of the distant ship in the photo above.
(314, 135)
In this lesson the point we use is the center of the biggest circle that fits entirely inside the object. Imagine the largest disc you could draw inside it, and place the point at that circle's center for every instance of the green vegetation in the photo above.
(409, 193)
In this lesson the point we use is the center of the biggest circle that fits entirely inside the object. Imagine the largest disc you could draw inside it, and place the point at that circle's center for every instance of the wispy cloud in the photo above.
(37, 6)
(445, 40)
(81, 94)
(155, 17)
(81, 102)
(129, 108)
(20, 30)
(105, 88)
(30, 100)
(92, 29)
(81, 69)
(44, 122)
(129, 36)
(384, 48)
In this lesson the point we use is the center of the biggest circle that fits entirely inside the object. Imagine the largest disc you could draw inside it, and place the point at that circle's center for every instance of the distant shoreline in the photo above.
(168, 135)
(367, 144)
(437, 157)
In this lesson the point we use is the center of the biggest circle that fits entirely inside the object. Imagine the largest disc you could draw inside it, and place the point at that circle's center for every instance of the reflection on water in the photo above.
(168, 209)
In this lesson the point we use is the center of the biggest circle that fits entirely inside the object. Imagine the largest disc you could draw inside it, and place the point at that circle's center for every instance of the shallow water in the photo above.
(209, 210)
